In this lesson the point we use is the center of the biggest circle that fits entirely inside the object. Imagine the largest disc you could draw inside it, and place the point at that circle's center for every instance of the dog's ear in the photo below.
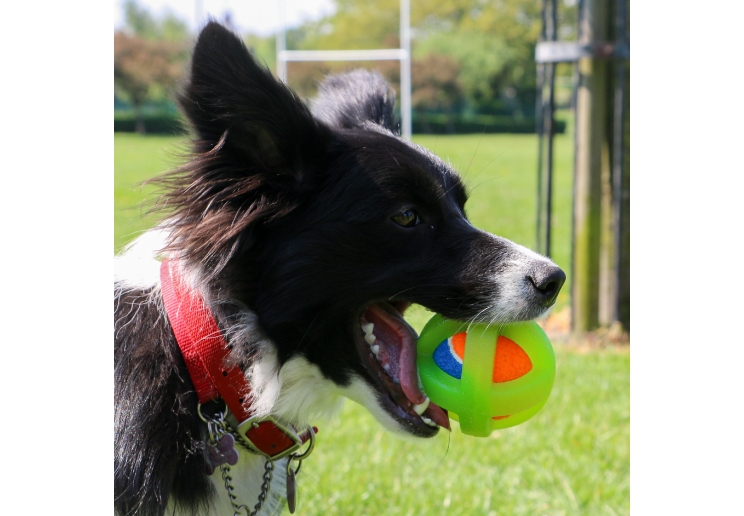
(353, 100)
(233, 101)
(257, 151)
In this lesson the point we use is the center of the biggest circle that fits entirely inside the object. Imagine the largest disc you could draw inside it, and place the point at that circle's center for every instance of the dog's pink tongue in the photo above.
(391, 326)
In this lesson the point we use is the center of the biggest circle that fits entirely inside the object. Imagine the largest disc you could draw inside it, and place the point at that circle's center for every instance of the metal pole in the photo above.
(405, 68)
(281, 44)
(545, 134)
(539, 127)
(551, 34)
(580, 36)
(198, 15)
(343, 55)
(549, 129)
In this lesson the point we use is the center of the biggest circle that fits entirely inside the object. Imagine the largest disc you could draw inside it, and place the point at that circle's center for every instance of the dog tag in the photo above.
(223, 452)
(291, 490)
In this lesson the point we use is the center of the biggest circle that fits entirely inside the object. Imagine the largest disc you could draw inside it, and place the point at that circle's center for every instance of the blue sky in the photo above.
(256, 16)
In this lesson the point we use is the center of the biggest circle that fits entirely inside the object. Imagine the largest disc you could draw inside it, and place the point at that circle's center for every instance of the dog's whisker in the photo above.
(476, 150)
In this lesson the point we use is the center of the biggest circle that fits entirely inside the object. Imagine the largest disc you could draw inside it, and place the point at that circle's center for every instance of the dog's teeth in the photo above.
(370, 338)
(421, 407)
(428, 421)
(375, 349)
(386, 367)
(367, 328)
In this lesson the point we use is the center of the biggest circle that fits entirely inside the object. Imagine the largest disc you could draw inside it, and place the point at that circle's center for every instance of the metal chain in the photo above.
(265, 488)
(217, 426)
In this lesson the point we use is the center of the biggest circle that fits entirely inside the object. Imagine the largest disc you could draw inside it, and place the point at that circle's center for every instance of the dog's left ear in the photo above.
(257, 151)
(234, 102)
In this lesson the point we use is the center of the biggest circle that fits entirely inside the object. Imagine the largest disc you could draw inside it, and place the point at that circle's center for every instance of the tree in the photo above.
(436, 86)
(482, 59)
(142, 67)
(149, 57)
(140, 22)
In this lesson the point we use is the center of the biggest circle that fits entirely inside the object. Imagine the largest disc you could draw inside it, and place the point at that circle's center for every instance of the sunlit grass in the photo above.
(136, 159)
(571, 458)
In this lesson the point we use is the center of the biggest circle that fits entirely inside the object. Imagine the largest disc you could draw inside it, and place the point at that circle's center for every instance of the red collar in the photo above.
(205, 351)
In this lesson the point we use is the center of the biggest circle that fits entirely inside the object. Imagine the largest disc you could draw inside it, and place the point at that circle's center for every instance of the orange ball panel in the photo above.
(511, 361)
(458, 344)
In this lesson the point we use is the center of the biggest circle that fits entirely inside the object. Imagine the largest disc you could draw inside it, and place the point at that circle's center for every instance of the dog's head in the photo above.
(328, 225)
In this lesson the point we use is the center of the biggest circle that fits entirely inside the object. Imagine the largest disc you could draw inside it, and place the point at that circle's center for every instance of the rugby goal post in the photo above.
(402, 54)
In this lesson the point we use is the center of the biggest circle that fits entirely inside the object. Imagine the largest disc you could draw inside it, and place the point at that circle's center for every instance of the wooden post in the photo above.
(592, 169)
(623, 309)
(622, 183)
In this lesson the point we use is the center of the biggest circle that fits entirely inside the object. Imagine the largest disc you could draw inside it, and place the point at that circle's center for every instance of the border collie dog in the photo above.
(306, 232)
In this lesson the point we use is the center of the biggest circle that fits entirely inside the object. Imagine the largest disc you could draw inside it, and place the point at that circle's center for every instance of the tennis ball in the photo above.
(486, 376)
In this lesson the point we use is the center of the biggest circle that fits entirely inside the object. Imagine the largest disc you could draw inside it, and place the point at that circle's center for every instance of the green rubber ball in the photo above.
(487, 376)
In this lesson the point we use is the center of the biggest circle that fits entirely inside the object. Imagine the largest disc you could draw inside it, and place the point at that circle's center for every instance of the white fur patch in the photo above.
(138, 265)
(264, 380)
(363, 393)
(301, 395)
(514, 293)
(305, 393)
(298, 394)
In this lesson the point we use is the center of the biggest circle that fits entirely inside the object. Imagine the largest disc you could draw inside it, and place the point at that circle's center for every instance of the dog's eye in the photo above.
(407, 219)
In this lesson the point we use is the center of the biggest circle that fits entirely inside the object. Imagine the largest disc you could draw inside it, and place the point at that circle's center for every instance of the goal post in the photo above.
(402, 54)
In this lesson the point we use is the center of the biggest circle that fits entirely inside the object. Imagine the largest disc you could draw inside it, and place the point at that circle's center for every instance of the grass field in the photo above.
(572, 458)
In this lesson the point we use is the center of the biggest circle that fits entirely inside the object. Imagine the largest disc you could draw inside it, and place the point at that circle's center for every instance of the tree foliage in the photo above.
(149, 57)
(140, 22)
(492, 41)
(141, 65)
(436, 82)
(436, 85)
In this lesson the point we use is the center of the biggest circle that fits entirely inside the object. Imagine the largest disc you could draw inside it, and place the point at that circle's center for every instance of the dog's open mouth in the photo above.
(387, 347)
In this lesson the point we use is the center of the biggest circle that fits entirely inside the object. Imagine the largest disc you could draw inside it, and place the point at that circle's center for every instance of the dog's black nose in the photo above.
(547, 280)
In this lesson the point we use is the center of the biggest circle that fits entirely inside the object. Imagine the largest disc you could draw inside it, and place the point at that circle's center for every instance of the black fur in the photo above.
(354, 99)
(293, 216)
(158, 450)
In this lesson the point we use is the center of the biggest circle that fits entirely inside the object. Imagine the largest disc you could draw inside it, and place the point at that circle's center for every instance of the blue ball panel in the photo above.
(445, 357)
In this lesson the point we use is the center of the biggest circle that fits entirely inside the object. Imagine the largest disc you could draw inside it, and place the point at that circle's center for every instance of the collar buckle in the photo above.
(269, 437)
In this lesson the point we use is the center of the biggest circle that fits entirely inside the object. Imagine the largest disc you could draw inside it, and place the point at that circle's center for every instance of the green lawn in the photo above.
(136, 159)
(572, 458)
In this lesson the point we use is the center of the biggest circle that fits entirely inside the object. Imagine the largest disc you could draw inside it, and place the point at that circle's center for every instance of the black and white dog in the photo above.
(306, 234)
